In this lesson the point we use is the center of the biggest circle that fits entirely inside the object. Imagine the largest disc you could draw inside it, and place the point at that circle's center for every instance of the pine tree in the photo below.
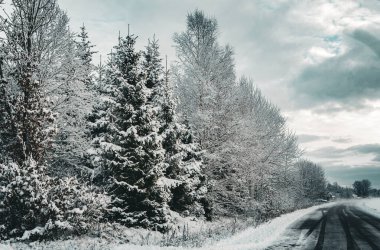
(85, 54)
(127, 145)
(183, 171)
(36, 206)
(24, 193)
(99, 80)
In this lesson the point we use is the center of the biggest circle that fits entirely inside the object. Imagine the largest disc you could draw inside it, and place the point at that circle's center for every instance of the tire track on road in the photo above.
(375, 222)
(321, 237)
(341, 226)
(357, 224)
(351, 244)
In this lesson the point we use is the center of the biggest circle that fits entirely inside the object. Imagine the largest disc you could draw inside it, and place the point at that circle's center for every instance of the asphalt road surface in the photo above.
(342, 226)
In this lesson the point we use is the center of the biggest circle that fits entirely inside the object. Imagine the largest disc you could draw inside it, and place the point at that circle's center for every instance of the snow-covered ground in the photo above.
(371, 205)
(258, 237)
(265, 234)
(252, 238)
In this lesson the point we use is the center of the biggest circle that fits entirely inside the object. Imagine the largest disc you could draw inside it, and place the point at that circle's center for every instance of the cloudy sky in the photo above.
(318, 60)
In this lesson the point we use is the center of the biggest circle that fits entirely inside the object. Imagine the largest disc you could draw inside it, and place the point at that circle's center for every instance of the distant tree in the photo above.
(85, 54)
(338, 191)
(358, 188)
(362, 188)
(366, 187)
(374, 192)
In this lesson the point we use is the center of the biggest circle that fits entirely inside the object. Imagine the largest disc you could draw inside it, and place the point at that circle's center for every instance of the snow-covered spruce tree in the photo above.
(183, 157)
(35, 206)
(100, 72)
(183, 171)
(25, 202)
(127, 145)
(85, 53)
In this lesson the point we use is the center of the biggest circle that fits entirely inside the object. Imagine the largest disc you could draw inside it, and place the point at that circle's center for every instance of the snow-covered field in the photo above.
(371, 205)
(258, 237)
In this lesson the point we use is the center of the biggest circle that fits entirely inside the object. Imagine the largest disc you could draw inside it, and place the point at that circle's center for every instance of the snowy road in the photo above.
(342, 226)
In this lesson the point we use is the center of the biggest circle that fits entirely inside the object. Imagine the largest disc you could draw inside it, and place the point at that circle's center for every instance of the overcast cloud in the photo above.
(318, 60)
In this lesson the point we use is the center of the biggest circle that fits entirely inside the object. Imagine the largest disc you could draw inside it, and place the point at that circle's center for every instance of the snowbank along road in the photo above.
(342, 226)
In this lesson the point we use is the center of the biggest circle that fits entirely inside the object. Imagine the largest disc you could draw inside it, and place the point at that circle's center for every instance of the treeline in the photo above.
(361, 189)
(131, 142)
(335, 191)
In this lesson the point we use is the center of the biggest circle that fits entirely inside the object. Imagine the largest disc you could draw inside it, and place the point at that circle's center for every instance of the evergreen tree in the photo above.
(183, 171)
(100, 72)
(85, 54)
(37, 206)
(183, 158)
(152, 67)
(125, 131)
(147, 159)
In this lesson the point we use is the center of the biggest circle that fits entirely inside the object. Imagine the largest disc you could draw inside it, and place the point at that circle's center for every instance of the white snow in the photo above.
(134, 247)
(37, 230)
(166, 182)
(265, 234)
(370, 205)
(91, 151)
(5, 247)
(253, 238)
(250, 239)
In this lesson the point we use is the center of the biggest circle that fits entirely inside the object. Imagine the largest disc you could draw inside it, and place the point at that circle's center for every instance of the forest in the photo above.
(362, 189)
(133, 141)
